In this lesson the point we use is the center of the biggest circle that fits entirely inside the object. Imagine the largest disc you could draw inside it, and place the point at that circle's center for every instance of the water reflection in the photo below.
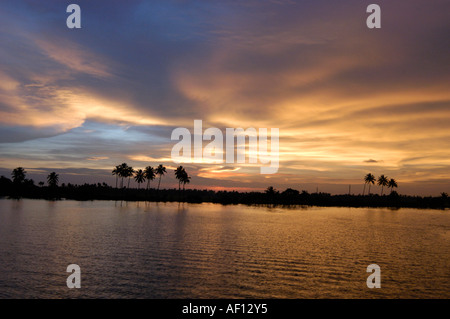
(180, 250)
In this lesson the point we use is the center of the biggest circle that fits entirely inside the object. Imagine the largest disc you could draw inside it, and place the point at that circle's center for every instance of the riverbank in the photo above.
(287, 197)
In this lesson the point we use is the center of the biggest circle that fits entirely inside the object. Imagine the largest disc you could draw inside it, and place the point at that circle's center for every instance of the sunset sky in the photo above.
(347, 100)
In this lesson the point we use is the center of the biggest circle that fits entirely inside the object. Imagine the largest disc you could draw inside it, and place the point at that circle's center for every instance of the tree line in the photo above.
(382, 181)
(148, 174)
(21, 187)
(121, 171)
(19, 177)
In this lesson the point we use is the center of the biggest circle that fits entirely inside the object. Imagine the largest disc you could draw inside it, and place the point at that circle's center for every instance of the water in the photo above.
(151, 250)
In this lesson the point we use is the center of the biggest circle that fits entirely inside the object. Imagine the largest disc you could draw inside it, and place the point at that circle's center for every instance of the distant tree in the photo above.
(149, 173)
(18, 175)
(444, 195)
(179, 172)
(290, 195)
(383, 181)
(290, 192)
(129, 173)
(41, 183)
(53, 179)
(368, 179)
(160, 170)
(125, 171)
(116, 172)
(186, 179)
(392, 184)
(270, 190)
(182, 176)
(122, 171)
(139, 177)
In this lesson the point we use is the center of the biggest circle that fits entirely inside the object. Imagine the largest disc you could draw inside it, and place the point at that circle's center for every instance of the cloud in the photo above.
(148, 159)
(74, 57)
(97, 158)
(342, 95)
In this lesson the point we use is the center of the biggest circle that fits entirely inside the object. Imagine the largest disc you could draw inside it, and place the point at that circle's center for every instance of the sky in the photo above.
(347, 100)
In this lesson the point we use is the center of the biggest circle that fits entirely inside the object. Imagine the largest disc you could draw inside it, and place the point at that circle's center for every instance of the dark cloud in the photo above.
(340, 93)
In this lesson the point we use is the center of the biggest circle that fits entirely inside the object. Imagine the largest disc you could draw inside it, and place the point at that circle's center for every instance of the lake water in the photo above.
(157, 250)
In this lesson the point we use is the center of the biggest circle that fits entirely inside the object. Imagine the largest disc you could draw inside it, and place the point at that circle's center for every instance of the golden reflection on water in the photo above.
(180, 250)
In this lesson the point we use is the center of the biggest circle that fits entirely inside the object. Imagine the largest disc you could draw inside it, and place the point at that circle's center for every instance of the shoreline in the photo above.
(286, 206)
(287, 198)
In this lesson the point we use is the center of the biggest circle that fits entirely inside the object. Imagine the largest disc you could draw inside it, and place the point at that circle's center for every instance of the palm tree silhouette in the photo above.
(149, 174)
(383, 181)
(392, 184)
(139, 177)
(52, 179)
(179, 174)
(129, 172)
(186, 179)
(18, 175)
(368, 179)
(122, 170)
(160, 170)
(116, 171)
(125, 171)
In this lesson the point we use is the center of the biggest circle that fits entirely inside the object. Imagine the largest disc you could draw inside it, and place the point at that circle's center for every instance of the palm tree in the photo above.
(368, 179)
(116, 171)
(392, 184)
(186, 179)
(122, 170)
(125, 171)
(52, 179)
(160, 170)
(139, 177)
(383, 181)
(179, 175)
(149, 173)
(129, 173)
(18, 175)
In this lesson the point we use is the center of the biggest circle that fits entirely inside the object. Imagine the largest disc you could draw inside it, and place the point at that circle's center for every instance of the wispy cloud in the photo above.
(347, 100)
(74, 57)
